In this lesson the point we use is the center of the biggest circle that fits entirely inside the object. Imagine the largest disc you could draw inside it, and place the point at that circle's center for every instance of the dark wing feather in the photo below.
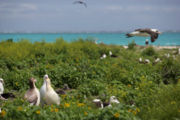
(128, 35)
(154, 36)
(138, 30)
(76, 2)
(80, 2)
(8, 95)
(84, 4)
(144, 30)
(105, 104)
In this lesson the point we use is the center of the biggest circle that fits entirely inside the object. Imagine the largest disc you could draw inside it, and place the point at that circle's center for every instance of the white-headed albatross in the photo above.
(51, 97)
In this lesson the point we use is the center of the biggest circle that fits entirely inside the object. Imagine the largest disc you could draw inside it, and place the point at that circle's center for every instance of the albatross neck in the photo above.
(32, 85)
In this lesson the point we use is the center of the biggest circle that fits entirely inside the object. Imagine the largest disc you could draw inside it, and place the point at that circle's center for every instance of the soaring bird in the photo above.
(80, 2)
(32, 95)
(1, 87)
(51, 97)
(153, 33)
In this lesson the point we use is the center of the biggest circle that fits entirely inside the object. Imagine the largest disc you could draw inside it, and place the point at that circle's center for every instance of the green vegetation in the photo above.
(154, 88)
(131, 45)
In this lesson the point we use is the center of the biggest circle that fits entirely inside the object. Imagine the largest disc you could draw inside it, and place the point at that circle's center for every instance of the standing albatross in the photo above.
(43, 89)
(1, 87)
(32, 95)
(51, 97)
(153, 33)
(80, 2)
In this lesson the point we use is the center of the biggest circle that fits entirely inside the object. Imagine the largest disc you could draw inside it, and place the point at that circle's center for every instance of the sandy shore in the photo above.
(157, 47)
(166, 47)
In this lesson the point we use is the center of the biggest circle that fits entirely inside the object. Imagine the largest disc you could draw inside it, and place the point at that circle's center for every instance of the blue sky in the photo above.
(100, 15)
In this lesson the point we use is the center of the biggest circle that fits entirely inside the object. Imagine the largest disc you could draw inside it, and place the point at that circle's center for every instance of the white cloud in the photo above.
(17, 8)
(144, 8)
(115, 8)
(28, 6)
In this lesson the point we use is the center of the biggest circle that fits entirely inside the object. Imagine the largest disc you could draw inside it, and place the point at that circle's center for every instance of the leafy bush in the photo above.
(93, 87)
(78, 64)
(131, 45)
(149, 52)
(162, 104)
(170, 71)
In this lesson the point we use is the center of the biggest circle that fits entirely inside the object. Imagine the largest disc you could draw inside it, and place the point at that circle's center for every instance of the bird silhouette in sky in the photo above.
(80, 2)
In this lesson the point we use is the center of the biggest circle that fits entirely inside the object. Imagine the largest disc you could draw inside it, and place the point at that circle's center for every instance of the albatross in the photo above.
(32, 95)
(43, 89)
(153, 33)
(100, 104)
(80, 2)
(51, 97)
(1, 87)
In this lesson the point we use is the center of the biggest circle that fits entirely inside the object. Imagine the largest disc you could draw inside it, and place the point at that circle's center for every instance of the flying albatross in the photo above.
(80, 2)
(153, 33)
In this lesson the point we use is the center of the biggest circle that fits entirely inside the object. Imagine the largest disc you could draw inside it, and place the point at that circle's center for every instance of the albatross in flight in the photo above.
(80, 2)
(153, 33)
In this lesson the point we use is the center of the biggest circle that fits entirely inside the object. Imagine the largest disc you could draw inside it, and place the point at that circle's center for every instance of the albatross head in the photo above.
(1, 80)
(48, 81)
(45, 76)
(32, 80)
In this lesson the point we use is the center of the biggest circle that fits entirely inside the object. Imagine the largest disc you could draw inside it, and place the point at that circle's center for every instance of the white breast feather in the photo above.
(1, 88)
(52, 97)
(137, 33)
(38, 94)
(43, 91)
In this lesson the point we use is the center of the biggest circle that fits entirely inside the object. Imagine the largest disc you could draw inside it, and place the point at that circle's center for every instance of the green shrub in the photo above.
(149, 52)
(78, 64)
(131, 45)
(170, 71)
(162, 104)
(93, 87)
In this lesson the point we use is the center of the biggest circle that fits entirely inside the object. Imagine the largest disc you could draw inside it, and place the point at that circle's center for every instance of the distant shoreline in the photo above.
(166, 39)
(158, 46)
(84, 32)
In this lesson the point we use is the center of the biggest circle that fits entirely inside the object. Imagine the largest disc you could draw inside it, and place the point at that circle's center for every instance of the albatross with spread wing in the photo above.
(80, 2)
(153, 33)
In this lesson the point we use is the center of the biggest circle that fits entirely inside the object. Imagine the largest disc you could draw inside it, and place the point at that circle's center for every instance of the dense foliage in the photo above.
(153, 88)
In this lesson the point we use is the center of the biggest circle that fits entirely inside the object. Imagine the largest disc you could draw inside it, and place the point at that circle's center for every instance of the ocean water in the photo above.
(165, 39)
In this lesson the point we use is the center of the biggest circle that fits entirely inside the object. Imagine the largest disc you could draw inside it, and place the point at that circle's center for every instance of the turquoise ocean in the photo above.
(165, 39)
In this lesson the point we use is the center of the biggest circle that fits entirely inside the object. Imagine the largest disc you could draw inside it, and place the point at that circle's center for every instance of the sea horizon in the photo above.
(115, 38)
(103, 31)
